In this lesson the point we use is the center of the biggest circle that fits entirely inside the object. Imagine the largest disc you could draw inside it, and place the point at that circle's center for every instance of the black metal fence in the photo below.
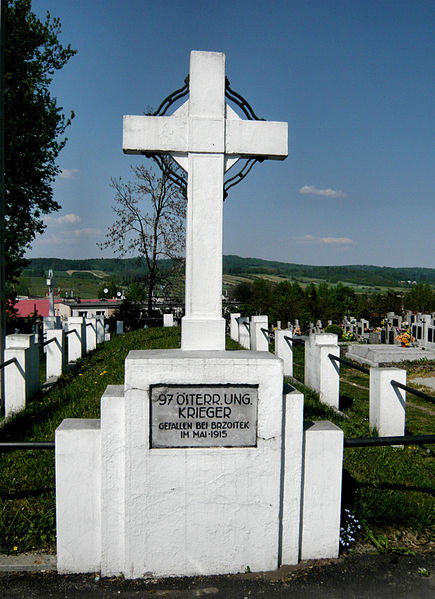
(349, 442)
(11, 361)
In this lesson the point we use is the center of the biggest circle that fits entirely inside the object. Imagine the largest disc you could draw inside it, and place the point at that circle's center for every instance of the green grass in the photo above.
(390, 490)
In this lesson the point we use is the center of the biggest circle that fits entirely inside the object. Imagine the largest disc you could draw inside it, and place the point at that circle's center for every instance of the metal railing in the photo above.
(413, 391)
(49, 341)
(383, 441)
(350, 442)
(15, 445)
(348, 363)
(294, 340)
(71, 331)
(11, 361)
(267, 333)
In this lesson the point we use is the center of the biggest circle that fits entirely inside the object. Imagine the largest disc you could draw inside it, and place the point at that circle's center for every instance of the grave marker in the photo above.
(137, 492)
(206, 137)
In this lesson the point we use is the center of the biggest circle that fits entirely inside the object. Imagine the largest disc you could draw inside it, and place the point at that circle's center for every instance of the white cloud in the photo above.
(328, 193)
(338, 241)
(87, 232)
(68, 173)
(65, 219)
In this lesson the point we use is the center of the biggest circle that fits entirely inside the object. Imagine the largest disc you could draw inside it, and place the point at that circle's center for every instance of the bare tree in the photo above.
(150, 213)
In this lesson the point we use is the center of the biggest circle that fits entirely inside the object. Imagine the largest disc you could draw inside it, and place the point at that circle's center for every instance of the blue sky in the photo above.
(354, 80)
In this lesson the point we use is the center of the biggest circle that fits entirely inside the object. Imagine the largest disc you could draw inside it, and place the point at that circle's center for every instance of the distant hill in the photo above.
(358, 273)
(129, 268)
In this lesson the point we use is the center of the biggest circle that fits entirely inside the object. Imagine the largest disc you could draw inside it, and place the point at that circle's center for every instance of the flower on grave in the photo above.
(405, 338)
(15, 548)
(349, 529)
(348, 336)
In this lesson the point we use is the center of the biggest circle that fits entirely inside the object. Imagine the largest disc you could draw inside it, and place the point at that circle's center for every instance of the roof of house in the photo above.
(26, 307)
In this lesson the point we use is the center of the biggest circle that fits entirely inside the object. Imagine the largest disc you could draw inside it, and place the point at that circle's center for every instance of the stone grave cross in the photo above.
(50, 285)
(206, 137)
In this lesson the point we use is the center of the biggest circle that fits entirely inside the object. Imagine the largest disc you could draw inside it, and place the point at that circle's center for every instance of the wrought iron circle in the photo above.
(181, 180)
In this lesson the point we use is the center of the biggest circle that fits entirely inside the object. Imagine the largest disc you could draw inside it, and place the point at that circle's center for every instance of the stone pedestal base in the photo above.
(202, 334)
(183, 511)
(131, 501)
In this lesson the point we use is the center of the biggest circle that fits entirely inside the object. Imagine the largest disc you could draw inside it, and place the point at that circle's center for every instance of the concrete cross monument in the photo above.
(198, 465)
(50, 285)
(51, 321)
(206, 137)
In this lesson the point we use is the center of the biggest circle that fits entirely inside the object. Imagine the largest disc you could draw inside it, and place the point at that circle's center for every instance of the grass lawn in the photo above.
(389, 490)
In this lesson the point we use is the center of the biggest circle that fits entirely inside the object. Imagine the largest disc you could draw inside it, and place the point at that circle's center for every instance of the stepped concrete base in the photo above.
(374, 355)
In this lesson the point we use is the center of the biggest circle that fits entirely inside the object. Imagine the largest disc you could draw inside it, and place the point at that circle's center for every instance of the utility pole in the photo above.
(2, 203)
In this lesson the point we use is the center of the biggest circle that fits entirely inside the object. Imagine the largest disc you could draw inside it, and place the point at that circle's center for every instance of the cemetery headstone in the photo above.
(195, 466)
(206, 137)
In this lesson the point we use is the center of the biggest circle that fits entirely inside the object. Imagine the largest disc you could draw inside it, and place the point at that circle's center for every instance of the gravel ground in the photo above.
(371, 576)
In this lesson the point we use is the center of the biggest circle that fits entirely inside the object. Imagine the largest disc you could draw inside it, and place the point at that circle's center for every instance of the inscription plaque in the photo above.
(203, 415)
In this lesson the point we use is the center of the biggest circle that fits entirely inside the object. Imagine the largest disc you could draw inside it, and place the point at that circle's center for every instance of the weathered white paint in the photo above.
(100, 328)
(321, 500)
(180, 512)
(76, 339)
(78, 509)
(292, 480)
(113, 481)
(21, 377)
(284, 349)
(244, 333)
(231, 490)
(261, 337)
(55, 353)
(206, 137)
(234, 326)
(16, 389)
(321, 373)
(161, 510)
(264, 321)
(91, 333)
(168, 320)
(387, 403)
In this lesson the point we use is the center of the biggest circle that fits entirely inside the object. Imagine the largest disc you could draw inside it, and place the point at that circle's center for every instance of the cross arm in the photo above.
(155, 134)
(268, 139)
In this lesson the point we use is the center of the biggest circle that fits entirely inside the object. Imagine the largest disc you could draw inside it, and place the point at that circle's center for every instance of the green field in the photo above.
(83, 288)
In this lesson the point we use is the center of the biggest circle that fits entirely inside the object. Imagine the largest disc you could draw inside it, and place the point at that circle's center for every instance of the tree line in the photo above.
(287, 301)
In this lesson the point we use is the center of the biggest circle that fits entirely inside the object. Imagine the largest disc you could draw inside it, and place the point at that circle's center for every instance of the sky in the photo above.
(353, 79)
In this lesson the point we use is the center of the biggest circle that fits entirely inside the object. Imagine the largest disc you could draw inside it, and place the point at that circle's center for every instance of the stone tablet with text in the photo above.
(203, 416)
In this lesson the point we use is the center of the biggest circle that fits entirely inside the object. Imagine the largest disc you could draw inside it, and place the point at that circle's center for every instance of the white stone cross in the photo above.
(50, 284)
(206, 137)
